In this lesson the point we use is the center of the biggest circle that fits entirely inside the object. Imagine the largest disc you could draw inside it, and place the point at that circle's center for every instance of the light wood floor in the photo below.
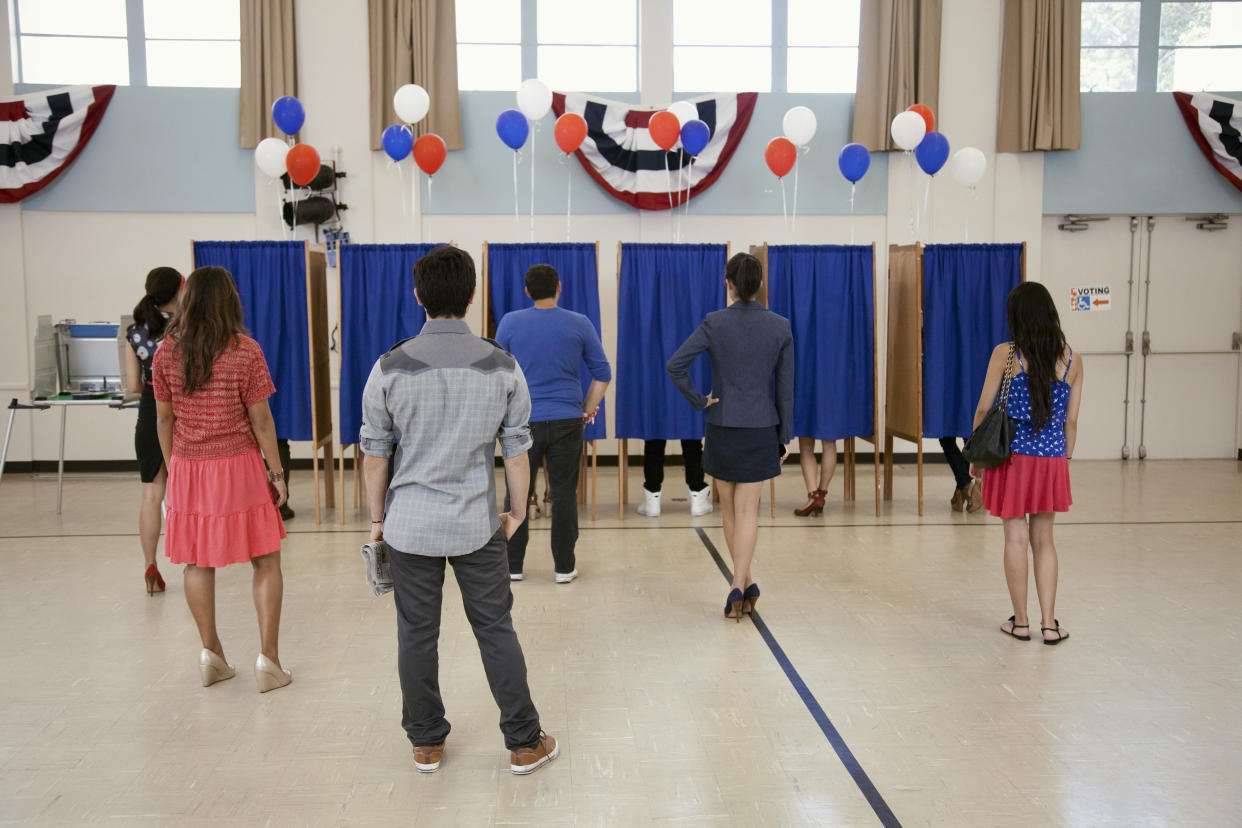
(665, 712)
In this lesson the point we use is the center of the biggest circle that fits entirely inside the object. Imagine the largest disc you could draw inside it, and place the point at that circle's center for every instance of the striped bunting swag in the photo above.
(620, 154)
(42, 132)
(1216, 125)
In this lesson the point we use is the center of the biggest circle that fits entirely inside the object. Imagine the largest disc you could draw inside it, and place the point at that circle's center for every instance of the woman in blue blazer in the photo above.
(748, 421)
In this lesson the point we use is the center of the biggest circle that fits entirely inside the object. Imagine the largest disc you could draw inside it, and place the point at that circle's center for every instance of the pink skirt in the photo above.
(220, 511)
(1025, 485)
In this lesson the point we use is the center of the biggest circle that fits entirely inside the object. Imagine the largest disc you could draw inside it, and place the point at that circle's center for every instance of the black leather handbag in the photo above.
(988, 446)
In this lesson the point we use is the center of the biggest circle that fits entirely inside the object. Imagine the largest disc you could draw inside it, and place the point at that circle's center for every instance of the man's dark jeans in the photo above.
(483, 577)
(560, 443)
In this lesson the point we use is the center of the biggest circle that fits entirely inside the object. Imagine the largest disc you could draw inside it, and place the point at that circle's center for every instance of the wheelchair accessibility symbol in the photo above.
(1091, 298)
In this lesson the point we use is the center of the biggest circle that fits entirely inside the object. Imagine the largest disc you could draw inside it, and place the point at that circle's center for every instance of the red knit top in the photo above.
(212, 422)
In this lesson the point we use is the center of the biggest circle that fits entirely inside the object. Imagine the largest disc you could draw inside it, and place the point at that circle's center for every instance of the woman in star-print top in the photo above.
(151, 316)
(1028, 489)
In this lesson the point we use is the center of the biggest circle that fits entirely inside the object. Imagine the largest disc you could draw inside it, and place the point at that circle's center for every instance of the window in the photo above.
(489, 44)
(1110, 47)
(1161, 45)
(718, 51)
(1200, 47)
(580, 52)
(823, 46)
(88, 41)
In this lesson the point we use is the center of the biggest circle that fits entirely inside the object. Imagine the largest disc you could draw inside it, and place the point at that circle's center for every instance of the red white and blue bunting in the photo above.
(623, 158)
(42, 132)
(1216, 125)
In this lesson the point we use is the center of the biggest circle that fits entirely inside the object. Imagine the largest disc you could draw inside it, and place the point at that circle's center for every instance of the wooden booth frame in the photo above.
(316, 266)
(903, 400)
(760, 251)
(590, 448)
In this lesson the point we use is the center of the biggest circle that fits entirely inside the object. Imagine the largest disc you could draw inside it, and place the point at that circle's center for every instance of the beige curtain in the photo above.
(1040, 107)
(415, 41)
(898, 65)
(269, 66)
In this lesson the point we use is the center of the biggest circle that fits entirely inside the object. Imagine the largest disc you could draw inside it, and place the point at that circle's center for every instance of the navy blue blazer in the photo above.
(749, 346)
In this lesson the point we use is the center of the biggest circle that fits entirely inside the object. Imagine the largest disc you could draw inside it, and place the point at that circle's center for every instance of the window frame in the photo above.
(1147, 78)
(135, 38)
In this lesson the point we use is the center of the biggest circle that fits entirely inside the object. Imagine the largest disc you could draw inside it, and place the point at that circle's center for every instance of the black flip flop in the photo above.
(1017, 626)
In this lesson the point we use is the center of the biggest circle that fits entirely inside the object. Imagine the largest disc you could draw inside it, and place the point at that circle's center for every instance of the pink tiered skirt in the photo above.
(1025, 485)
(220, 511)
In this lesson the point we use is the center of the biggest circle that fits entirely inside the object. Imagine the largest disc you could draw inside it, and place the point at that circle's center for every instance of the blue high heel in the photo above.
(749, 597)
(733, 605)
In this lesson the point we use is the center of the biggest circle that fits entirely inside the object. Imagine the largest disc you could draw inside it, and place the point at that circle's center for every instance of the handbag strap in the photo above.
(1008, 376)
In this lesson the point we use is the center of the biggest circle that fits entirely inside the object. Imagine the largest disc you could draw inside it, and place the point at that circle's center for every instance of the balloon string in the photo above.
(405, 209)
(784, 212)
(913, 198)
(532, 183)
(422, 232)
(416, 204)
(927, 207)
(515, 192)
(689, 184)
(853, 188)
(569, 198)
(669, 187)
(280, 206)
(795, 200)
(681, 171)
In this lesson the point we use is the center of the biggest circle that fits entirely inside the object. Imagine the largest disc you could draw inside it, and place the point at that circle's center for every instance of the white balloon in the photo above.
(684, 111)
(799, 125)
(968, 166)
(908, 129)
(269, 157)
(411, 103)
(534, 98)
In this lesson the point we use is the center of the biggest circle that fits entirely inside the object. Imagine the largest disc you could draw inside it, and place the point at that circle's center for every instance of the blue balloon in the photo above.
(932, 152)
(397, 142)
(694, 136)
(854, 161)
(512, 128)
(288, 114)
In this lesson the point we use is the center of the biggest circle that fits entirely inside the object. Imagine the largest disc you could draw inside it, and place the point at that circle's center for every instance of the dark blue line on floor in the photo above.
(864, 783)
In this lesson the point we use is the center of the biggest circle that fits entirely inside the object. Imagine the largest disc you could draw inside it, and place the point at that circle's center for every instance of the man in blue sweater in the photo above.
(551, 344)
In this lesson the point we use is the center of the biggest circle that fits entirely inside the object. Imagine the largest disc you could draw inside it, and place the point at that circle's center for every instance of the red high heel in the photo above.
(815, 506)
(155, 583)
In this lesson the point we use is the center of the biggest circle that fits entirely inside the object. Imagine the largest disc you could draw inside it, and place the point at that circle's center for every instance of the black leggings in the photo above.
(953, 456)
(653, 464)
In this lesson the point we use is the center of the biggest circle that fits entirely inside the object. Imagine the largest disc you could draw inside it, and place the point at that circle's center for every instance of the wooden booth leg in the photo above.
(357, 476)
(875, 465)
(888, 467)
(330, 491)
(315, 480)
(920, 478)
(622, 483)
(341, 470)
(594, 475)
(582, 483)
(773, 497)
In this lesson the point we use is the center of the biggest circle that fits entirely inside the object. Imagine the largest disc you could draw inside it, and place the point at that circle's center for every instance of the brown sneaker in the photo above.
(427, 757)
(974, 497)
(959, 500)
(529, 759)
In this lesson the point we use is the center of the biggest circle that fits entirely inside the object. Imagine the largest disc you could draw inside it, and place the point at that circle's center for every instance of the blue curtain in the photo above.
(964, 291)
(271, 279)
(665, 291)
(579, 273)
(378, 310)
(827, 292)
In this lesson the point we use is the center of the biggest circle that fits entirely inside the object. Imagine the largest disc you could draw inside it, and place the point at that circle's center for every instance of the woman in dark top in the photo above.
(748, 421)
(150, 318)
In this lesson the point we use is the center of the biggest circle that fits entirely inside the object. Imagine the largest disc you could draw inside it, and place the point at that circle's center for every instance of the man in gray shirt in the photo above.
(444, 398)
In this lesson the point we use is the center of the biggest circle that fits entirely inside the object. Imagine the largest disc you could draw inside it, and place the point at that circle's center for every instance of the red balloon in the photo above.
(926, 112)
(302, 162)
(780, 155)
(429, 153)
(665, 129)
(570, 131)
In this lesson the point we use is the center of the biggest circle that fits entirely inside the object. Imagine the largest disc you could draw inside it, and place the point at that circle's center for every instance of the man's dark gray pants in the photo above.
(483, 577)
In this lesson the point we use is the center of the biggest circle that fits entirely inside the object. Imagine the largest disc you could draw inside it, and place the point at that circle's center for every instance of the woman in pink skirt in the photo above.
(211, 388)
(1033, 484)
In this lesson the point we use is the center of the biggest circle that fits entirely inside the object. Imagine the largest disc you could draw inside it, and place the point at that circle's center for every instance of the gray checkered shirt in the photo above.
(444, 398)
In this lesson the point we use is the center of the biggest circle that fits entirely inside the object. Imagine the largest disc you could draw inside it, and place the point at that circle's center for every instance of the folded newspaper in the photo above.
(379, 568)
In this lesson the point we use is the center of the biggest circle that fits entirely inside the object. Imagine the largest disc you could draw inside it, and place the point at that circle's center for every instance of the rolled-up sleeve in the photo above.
(376, 434)
(678, 366)
(515, 428)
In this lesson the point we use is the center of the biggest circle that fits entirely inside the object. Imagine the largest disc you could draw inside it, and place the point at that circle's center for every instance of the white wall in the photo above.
(91, 265)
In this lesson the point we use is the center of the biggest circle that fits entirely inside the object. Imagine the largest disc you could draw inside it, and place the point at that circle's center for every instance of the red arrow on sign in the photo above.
(1100, 302)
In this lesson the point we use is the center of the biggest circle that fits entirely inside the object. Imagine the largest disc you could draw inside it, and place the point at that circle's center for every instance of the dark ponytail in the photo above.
(745, 274)
(163, 284)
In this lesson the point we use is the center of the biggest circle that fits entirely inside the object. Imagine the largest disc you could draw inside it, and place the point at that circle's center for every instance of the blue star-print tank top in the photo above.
(1048, 441)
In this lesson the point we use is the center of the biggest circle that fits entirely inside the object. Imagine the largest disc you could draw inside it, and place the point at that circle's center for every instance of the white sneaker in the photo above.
(650, 505)
(701, 502)
(566, 577)
(515, 576)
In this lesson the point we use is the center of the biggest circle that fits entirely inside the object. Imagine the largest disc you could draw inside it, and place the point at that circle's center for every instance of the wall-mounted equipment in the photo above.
(315, 204)
(1076, 224)
(1218, 221)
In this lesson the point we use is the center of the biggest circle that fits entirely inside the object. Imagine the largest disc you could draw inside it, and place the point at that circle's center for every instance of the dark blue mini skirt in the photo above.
(742, 455)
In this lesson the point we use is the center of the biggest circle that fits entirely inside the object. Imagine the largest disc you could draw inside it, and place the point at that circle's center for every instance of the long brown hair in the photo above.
(207, 324)
(1035, 329)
